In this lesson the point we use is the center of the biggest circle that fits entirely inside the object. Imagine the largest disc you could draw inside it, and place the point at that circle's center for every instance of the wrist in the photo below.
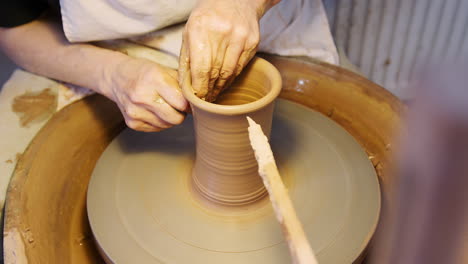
(262, 6)
(111, 75)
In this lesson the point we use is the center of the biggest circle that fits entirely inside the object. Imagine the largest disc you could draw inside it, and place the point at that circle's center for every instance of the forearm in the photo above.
(40, 47)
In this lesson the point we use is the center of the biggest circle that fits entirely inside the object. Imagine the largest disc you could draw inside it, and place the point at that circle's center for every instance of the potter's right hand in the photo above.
(220, 38)
(147, 94)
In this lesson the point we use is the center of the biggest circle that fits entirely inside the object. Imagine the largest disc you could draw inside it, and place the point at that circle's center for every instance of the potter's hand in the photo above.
(147, 94)
(220, 38)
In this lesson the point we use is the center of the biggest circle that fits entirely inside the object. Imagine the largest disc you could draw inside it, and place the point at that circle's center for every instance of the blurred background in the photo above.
(387, 40)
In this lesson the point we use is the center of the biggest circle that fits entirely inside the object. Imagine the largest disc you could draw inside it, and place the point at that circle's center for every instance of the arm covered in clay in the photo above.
(147, 93)
(220, 38)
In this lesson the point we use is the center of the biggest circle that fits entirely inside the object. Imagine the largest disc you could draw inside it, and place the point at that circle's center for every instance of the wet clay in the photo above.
(34, 106)
(48, 200)
(139, 198)
(225, 170)
(208, 206)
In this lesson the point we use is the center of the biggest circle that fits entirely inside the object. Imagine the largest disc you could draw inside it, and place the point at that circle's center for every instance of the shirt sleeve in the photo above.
(18, 12)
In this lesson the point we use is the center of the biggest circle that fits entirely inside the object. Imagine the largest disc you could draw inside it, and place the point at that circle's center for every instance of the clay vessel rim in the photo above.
(274, 92)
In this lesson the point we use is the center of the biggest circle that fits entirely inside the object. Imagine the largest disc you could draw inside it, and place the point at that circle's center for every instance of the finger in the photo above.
(143, 127)
(173, 74)
(184, 61)
(219, 46)
(244, 59)
(249, 51)
(141, 114)
(139, 125)
(184, 69)
(200, 64)
(160, 108)
(149, 117)
(170, 91)
(231, 58)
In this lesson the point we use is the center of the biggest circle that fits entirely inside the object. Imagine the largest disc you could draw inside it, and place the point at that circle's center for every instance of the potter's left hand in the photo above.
(220, 38)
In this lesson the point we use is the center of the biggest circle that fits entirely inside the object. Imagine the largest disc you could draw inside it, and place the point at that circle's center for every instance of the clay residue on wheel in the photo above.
(18, 156)
(14, 247)
(34, 106)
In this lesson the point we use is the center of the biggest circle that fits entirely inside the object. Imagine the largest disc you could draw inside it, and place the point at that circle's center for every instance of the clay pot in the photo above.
(225, 170)
(45, 213)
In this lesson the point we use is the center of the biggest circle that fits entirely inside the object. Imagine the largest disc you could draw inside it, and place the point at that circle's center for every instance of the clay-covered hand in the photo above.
(147, 94)
(220, 38)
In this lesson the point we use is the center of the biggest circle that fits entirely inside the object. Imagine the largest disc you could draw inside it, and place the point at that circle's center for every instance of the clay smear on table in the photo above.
(225, 170)
(34, 106)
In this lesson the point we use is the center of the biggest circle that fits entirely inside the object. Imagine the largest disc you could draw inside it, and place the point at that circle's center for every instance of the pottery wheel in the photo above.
(142, 209)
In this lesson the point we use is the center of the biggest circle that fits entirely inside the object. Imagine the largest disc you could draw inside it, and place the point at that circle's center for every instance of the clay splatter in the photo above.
(9, 161)
(34, 106)
(18, 156)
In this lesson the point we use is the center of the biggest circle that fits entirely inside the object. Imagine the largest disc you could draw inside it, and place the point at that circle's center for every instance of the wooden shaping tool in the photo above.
(299, 247)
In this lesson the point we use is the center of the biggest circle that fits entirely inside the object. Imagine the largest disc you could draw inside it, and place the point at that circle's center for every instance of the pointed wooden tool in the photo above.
(299, 246)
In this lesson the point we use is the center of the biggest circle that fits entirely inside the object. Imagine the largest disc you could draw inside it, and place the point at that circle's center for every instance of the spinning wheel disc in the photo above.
(142, 208)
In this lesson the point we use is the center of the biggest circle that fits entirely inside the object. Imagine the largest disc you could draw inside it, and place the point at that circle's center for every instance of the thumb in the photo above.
(184, 63)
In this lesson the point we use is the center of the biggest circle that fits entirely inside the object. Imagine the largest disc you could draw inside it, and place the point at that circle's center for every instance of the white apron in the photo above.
(291, 28)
